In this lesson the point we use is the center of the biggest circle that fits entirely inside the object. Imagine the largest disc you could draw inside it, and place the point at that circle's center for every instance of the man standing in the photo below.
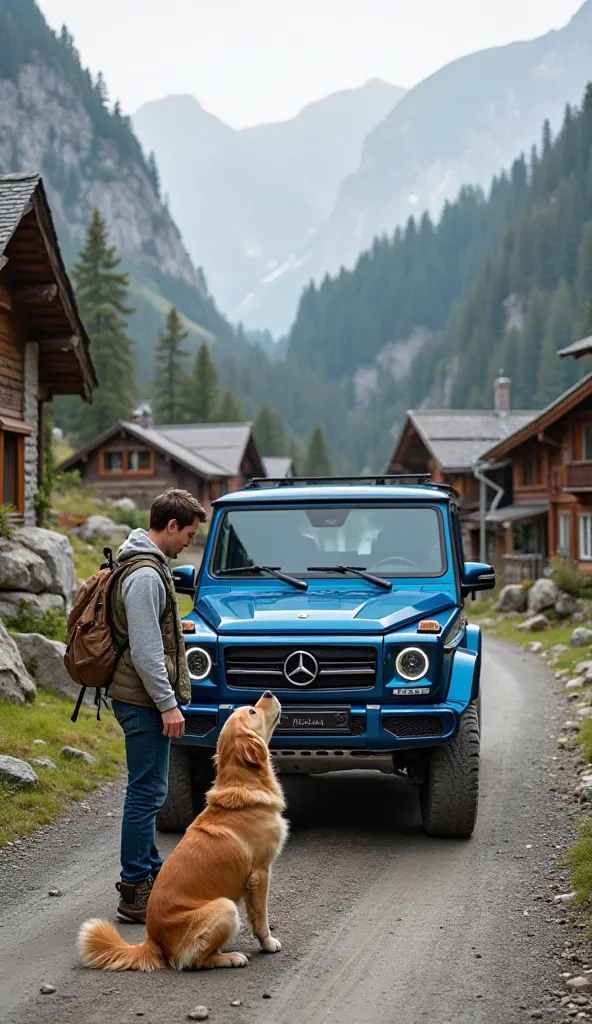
(150, 681)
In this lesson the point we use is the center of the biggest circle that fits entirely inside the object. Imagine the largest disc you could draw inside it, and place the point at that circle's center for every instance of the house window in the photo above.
(587, 442)
(11, 470)
(564, 546)
(586, 538)
(113, 462)
(139, 461)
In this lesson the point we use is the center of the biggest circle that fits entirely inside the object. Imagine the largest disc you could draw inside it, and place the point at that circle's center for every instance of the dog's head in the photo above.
(245, 737)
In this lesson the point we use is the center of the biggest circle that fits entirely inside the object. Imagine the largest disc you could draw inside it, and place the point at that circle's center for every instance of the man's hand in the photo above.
(173, 723)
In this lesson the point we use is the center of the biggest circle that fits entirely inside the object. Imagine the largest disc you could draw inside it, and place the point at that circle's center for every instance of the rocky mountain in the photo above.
(248, 201)
(460, 125)
(55, 119)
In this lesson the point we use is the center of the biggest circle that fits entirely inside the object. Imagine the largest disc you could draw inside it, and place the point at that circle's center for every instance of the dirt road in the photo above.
(380, 925)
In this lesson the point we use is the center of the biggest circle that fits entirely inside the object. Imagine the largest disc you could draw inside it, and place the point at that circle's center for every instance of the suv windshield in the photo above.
(396, 541)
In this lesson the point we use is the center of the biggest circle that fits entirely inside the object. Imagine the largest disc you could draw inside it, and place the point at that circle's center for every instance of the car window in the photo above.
(396, 541)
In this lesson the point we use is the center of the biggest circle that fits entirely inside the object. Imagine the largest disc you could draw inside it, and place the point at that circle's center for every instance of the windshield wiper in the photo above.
(343, 569)
(257, 570)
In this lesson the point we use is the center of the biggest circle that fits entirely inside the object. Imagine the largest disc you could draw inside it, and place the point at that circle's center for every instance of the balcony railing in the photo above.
(578, 476)
(523, 567)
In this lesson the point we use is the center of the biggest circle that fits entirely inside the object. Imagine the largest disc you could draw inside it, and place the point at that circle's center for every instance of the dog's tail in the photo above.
(102, 948)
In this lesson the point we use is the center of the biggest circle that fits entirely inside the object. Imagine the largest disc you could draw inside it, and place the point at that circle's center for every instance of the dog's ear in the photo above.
(251, 749)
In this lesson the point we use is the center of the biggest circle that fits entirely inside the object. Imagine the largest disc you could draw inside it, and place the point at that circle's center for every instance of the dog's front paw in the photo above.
(271, 945)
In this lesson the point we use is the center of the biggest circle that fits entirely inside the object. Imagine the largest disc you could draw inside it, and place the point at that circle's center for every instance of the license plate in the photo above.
(313, 721)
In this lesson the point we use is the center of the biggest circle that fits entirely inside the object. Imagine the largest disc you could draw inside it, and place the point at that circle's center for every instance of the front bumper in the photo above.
(375, 728)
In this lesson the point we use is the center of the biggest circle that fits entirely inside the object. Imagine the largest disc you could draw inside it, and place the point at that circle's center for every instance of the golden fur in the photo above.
(224, 856)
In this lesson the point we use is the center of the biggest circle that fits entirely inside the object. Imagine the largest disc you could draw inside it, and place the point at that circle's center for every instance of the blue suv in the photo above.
(345, 598)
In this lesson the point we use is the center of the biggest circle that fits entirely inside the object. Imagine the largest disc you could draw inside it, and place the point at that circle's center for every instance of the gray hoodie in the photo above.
(144, 598)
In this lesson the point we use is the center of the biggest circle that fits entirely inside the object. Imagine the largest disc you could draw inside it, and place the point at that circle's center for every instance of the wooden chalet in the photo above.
(139, 462)
(551, 461)
(44, 348)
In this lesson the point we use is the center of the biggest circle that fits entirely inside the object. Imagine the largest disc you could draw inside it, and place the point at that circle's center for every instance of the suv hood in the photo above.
(319, 611)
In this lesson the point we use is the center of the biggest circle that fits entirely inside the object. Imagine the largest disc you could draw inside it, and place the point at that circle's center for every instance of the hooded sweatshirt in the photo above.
(144, 598)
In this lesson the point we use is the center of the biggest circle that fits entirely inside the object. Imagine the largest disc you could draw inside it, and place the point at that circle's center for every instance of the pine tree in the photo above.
(229, 410)
(317, 461)
(153, 174)
(295, 453)
(270, 431)
(201, 391)
(170, 374)
(101, 293)
(559, 334)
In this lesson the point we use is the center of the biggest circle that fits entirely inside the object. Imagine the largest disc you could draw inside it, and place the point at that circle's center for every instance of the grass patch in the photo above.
(48, 718)
(579, 861)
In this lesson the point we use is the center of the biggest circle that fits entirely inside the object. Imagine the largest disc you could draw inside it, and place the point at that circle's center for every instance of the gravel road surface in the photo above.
(379, 924)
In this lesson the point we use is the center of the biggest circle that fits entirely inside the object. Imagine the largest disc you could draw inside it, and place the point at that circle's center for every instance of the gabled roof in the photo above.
(457, 438)
(35, 275)
(578, 349)
(569, 400)
(220, 443)
(190, 460)
(278, 467)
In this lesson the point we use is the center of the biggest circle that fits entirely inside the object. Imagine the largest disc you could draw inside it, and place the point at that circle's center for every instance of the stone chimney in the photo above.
(143, 415)
(501, 394)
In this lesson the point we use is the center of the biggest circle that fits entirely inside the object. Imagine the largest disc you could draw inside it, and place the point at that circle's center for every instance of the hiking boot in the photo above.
(134, 900)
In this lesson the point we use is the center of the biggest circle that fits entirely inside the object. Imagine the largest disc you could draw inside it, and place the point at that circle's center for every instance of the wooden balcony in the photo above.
(523, 567)
(578, 476)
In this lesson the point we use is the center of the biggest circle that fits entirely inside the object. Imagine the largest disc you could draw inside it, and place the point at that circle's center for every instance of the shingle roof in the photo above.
(278, 467)
(16, 191)
(220, 443)
(457, 438)
(578, 349)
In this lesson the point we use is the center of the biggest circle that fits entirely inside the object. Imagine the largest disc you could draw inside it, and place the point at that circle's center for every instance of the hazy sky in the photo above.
(260, 60)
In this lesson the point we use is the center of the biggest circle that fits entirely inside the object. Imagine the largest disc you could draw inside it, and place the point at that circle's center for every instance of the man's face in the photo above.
(177, 539)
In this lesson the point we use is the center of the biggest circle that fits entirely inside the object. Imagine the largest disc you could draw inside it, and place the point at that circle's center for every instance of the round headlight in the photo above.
(412, 664)
(199, 663)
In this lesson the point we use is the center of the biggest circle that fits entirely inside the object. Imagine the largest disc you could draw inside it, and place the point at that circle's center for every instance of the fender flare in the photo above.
(465, 675)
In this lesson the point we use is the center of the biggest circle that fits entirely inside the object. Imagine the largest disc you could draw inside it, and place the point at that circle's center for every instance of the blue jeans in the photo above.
(147, 754)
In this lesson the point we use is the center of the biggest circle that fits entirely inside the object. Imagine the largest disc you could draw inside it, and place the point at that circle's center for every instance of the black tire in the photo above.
(190, 777)
(450, 798)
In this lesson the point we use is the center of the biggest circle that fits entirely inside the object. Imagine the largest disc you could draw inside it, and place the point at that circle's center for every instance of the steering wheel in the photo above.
(385, 562)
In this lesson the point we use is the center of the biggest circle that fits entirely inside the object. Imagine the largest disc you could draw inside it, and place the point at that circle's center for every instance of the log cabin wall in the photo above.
(19, 383)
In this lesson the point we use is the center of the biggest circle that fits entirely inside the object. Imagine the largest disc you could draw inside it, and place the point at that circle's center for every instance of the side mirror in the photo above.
(477, 576)
(185, 579)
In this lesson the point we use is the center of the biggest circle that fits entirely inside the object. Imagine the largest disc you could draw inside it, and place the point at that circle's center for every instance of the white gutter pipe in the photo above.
(478, 472)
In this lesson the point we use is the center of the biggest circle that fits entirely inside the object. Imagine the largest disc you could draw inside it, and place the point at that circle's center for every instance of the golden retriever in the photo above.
(225, 856)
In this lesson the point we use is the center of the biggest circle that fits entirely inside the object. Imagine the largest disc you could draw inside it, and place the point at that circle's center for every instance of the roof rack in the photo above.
(424, 479)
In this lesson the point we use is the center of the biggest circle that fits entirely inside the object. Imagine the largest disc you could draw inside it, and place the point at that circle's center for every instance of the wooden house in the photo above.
(44, 349)
(140, 462)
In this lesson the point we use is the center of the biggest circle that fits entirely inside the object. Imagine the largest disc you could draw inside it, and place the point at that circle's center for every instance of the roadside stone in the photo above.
(577, 984)
(47, 990)
(584, 789)
(574, 684)
(513, 598)
(536, 624)
(45, 762)
(565, 606)
(199, 1013)
(583, 667)
(17, 772)
(54, 892)
(102, 527)
(40, 743)
(581, 637)
(583, 713)
(129, 505)
(559, 649)
(44, 660)
(78, 755)
(543, 594)
(488, 623)
(16, 685)
(535, 647)
(236, 1002)
(565, 897)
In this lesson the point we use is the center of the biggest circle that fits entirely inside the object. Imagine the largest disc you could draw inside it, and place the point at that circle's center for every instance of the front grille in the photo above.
(358, 725)
(408, 726)
(340, 668)
(199, 725)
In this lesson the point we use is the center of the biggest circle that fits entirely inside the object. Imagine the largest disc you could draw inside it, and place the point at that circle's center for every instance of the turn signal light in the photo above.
(429, 626)
(188, 626)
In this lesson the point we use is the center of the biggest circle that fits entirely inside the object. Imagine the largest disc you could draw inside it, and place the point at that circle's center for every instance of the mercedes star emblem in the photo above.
(301, 668)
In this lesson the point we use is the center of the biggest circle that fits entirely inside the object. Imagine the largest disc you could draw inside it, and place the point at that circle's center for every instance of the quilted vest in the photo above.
(126, 684)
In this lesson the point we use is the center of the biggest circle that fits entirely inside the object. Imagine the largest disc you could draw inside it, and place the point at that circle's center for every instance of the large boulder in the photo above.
(100, 527)
(543, 594)
(44, 660)
(10, 602)
(581, 637)
(565, 606)
(16, 772)
(512, 599)
(56, 551)
(22, 569)
(16, 686)
(536, 624)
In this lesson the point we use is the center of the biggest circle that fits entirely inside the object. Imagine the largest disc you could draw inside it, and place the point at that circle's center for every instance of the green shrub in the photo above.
(6, 528)
(567, 578)
(136, 518)
(52, 623)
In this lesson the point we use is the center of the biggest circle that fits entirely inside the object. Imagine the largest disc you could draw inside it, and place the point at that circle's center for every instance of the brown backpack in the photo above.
(92, 653)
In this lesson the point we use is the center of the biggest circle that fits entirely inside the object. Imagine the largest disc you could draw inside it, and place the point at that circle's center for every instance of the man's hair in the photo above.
(176, 504)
